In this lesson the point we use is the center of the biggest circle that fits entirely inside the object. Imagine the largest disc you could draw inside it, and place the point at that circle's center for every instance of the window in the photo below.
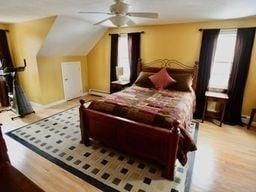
(1, 70)
(123, 57)
(223, 60)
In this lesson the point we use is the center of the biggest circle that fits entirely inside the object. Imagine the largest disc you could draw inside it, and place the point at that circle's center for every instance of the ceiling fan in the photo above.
(119, 14)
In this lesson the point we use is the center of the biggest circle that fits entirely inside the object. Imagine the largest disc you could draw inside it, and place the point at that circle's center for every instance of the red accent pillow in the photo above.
(162, 79)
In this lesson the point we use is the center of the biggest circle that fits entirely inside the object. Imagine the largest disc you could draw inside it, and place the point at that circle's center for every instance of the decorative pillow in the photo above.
(162, 79)
(183, 82)
(143, 80)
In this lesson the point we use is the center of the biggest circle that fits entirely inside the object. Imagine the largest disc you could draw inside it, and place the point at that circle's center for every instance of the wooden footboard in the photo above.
(144, 141)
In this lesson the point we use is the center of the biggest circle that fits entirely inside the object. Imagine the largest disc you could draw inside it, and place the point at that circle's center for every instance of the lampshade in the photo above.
(119, 71)
(119, 20)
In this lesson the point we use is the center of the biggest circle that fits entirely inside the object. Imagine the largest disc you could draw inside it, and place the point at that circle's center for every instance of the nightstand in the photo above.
(221, 98)
(118, 86)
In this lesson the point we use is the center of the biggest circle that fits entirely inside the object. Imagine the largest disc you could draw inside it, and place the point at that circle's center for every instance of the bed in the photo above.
(148, 123)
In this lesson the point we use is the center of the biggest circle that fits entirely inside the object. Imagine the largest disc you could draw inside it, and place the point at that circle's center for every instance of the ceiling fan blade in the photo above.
(102, 21)
(143, 14)
(91, 12)
(130, 22)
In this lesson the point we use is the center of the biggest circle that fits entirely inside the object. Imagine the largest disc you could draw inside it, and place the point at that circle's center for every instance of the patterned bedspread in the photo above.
(154, 107)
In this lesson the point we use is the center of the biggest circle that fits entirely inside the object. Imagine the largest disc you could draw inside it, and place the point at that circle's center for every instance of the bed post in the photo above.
(173, 145)
(84, 137)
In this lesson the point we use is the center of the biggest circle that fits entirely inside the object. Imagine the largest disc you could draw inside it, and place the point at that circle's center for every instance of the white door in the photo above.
(72, 81)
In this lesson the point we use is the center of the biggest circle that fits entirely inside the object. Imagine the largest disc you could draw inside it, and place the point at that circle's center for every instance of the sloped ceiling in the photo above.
(71, 36)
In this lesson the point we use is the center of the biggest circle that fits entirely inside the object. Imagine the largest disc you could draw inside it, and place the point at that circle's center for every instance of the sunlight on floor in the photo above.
(205, 166)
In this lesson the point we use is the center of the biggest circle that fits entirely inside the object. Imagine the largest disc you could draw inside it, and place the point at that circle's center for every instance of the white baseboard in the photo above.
(53, 103)
(98, 92)
(37, 105)
(85, 93)
(47, 105)
(245, 120)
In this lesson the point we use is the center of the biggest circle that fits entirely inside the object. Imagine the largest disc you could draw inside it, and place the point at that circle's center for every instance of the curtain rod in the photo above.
(126, 33)
(226, 28)
(5, 30)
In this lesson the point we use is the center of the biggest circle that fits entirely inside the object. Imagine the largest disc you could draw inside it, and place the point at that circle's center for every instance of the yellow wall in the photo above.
(50, 76)
(98, 65)
(4, 26)
(175, 41)
(26, 40)
(42, 80)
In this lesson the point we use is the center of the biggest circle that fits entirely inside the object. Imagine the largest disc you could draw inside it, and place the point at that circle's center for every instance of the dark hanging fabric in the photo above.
(209, 41)
(239, 73)
(5, 55)
(113, 57)
(134, 54)
(5, 58)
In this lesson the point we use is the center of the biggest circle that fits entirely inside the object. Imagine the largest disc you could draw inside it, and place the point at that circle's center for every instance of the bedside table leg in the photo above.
(205, 108)
(251, 118)
(223, 114)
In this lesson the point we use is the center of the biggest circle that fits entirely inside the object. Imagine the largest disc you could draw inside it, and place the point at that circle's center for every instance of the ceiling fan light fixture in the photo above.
(119, 8)
(119, 20)
(120, 16)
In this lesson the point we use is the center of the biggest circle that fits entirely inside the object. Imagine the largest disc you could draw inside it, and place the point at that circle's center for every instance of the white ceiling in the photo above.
(170, 11)
(71, 36)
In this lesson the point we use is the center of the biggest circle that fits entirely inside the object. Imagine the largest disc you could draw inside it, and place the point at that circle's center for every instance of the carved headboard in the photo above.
(173, 66)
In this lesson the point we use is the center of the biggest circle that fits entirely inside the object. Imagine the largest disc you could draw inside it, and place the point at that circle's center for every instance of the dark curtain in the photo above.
(5, 55)
(6, 60)
(113, 57)
(209, 41)
(134, 54)
(238, 76)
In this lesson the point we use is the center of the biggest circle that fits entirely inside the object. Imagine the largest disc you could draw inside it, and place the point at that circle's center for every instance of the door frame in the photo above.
(63, 80)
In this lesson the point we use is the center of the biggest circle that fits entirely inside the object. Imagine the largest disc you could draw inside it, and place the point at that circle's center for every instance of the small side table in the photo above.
(217, 97)
(251, 118)
(118, 86)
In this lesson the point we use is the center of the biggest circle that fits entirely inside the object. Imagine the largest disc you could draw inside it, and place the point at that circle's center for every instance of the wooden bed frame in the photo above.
(144, 141)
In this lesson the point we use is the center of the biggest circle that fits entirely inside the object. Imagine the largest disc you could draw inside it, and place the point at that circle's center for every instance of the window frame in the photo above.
(216, 89)
(124, 77)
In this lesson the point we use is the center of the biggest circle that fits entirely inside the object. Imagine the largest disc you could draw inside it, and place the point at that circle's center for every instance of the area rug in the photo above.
(57, 138)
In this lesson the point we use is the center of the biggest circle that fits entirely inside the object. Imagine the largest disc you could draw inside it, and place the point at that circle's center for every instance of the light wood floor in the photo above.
(225, 159)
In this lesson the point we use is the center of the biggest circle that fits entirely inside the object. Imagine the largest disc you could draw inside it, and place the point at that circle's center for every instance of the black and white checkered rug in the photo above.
(57, 139)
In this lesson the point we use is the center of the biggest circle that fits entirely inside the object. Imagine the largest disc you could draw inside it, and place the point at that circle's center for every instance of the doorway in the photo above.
(72, 80)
